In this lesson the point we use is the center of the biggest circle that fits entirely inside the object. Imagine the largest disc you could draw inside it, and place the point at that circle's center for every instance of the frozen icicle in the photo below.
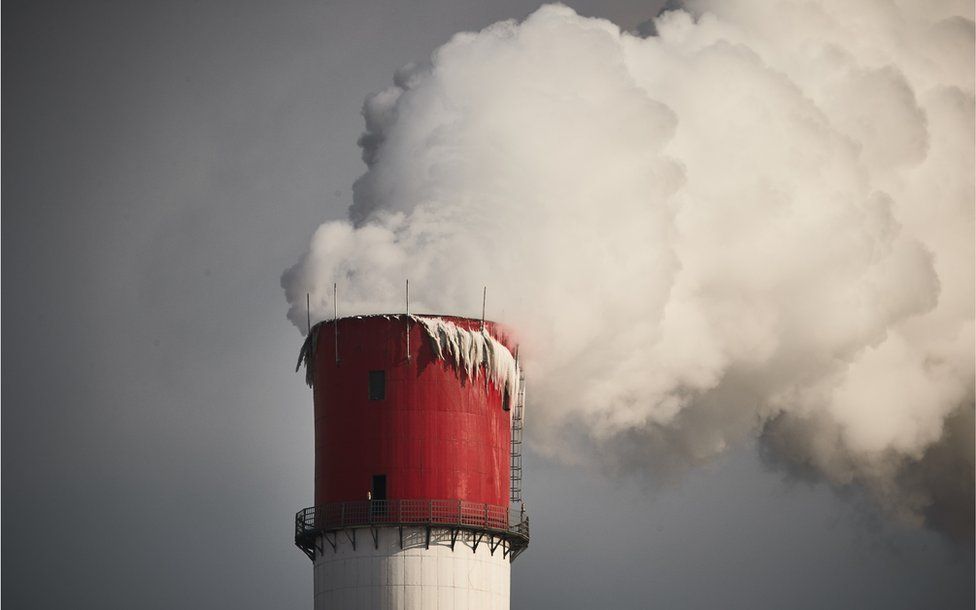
(470, 350)
(467, 350)
(306, 355)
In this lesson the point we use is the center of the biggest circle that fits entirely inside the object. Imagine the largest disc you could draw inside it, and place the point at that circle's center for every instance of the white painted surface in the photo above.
(412, 578)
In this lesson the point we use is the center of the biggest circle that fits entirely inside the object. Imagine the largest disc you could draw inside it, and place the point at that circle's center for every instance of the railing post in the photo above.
(430, 511)
(342, 515)
(486, 516)
(460, 520)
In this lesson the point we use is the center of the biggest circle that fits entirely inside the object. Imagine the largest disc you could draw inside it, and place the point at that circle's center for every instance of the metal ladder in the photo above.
(515, 462)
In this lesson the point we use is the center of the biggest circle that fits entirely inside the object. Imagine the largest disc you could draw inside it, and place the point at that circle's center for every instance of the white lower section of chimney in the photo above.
(413, 577)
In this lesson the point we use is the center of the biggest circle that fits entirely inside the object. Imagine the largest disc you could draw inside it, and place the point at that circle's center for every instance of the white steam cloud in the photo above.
(755, 220)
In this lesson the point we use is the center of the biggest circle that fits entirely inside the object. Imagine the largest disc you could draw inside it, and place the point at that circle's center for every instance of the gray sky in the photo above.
(162, 164)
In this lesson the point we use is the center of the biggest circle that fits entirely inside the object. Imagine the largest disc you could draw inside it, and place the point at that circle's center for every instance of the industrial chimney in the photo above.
(418, 424)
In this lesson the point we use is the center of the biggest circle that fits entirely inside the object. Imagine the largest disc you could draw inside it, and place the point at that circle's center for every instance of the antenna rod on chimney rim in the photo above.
(408, 319)
(335, 318)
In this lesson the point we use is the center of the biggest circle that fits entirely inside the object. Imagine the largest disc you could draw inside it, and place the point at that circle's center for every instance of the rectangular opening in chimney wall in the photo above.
(379, 487)
(377, 385)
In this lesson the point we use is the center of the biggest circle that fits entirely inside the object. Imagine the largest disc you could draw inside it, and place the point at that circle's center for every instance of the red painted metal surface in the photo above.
(436, 435)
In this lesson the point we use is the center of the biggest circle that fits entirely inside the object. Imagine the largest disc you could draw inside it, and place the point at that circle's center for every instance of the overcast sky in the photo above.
(162, 164)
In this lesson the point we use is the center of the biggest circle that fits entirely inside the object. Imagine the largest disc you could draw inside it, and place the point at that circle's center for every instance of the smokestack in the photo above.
(755, 225)
(414, 464)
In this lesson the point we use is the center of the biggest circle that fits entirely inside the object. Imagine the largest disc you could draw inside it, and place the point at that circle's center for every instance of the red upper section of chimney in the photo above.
(405, 428)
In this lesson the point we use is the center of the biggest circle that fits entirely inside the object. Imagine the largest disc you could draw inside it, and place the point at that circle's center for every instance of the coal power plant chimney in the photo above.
(418, 464)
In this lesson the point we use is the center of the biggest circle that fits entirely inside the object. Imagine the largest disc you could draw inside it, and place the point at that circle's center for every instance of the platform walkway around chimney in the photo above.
(494, 526)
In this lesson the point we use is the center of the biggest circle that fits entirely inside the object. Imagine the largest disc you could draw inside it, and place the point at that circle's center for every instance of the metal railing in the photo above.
(512, 525)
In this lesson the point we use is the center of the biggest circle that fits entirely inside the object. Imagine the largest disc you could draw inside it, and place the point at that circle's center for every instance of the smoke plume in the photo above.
(749, 218)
